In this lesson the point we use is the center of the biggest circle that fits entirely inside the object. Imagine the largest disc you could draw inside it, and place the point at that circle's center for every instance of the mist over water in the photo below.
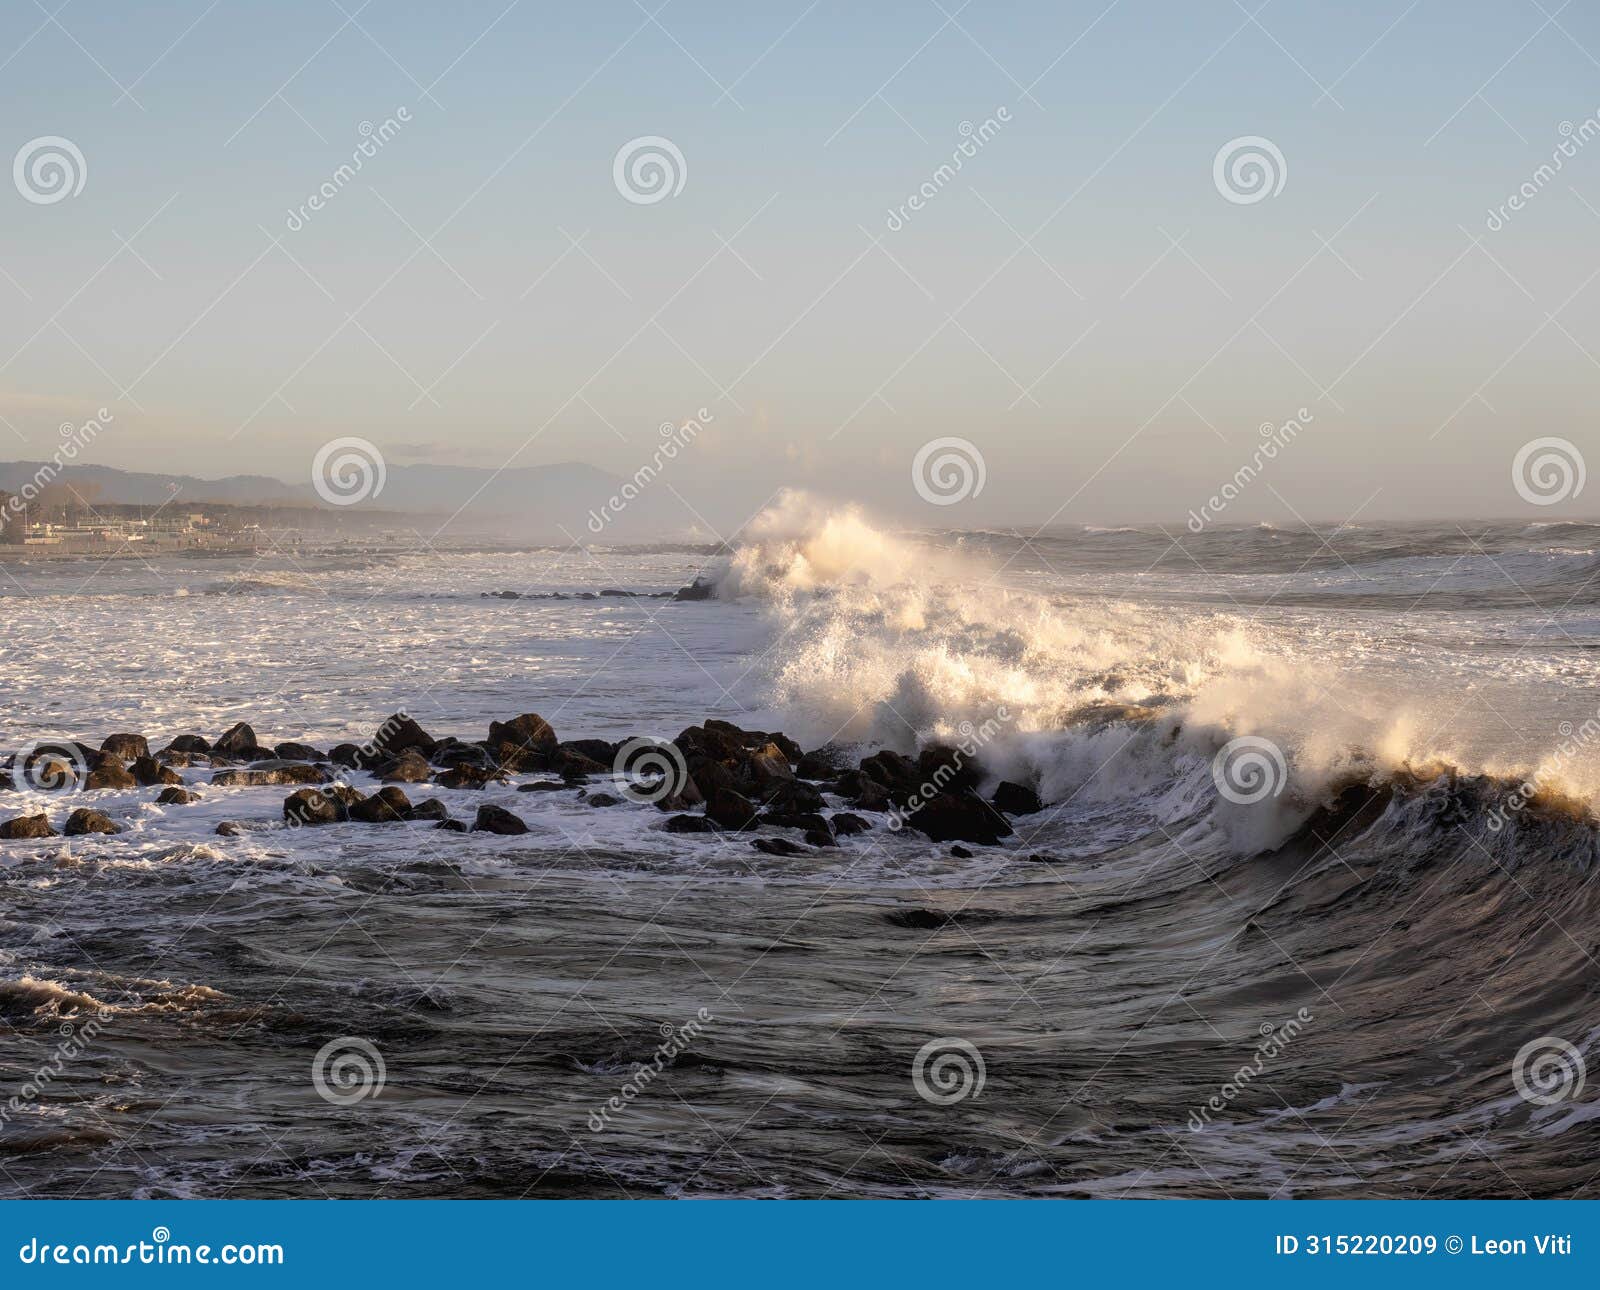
(1115, 964)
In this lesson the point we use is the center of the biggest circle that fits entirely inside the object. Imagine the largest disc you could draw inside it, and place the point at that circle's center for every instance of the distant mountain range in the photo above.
(521, 501)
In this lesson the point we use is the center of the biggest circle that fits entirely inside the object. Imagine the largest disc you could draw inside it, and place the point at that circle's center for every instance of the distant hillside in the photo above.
(537, 501)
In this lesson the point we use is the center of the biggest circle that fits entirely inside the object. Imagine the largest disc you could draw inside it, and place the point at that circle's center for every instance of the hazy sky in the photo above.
(1081, 301)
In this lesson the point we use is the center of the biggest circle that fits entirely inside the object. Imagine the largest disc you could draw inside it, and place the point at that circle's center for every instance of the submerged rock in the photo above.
(84, 820)
(495, 819)
(27, 826)
(1016, 799)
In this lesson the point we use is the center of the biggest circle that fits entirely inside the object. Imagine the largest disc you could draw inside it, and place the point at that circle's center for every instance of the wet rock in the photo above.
(389, 805)
(126, 747)
(194, 745)
(696, 590)
(818, 838)
(779, 847)
(110, 773)
(231, 829)
(168, 757)
(149, 772)
(398, 734)
(806, 821)
(472, 777)
(238, 741)
(710, 775)
(410, 767)
(921, 920)
(176, 797)
(297, 752)
(271, 773)
(597, 750)
(824, 763)
(451, 826)
(844, 823)
(1016, 799)
(730, 810)
(495, 819)
(545, 786)
(947, 769)
(570, 764)
(961, 853)
(791, 795)
(27, 826)
(691, 824)
(898, 776)
(455, 753)
(959, 817)
(602, 799)
(529, 731)
(429, 809)
(347, 755)
(309, 807)
(768, 768)
(84, 820)
(343, 794)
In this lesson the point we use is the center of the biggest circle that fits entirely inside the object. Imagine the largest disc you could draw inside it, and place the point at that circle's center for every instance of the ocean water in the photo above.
(1343, 977)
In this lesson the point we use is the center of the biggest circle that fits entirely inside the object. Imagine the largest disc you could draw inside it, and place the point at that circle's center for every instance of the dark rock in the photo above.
(168, 757)
(473, 777)
(948, 769)
(495, 819)
(922, 920)
(806, 821)
(959, 817)
(126, 747)
(194, 745)
(570, 764)
(598, 750)
(529, 731)
(779, 847)
(297, 752)
(231, 829)
(896, 775)
(821, 764)
(863, 792)
(84, 820)
(396, 735)
(429, 809)
(27, 826)
(149, 772)
(960, 853)
(1016, 799)
(348, 755)
(238, 741)
(730, 810)
(110, 773)
(792, 795)
(691, 824)
(308, 806)
(844, 823)
(768, 768)
(696, 590)
(545, 786)
(451, 826)
(710, 776)
(602, 799)
(410, 767)
(389, 805)
(817, 838)
(343, 794)
(456, 753)
(271, 773)
(176, 797)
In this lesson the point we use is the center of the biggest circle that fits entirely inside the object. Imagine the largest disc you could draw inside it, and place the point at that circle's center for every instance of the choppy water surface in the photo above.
(1341, 989)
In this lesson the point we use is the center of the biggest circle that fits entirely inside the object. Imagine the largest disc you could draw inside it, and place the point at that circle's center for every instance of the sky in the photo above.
(1094, 305)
